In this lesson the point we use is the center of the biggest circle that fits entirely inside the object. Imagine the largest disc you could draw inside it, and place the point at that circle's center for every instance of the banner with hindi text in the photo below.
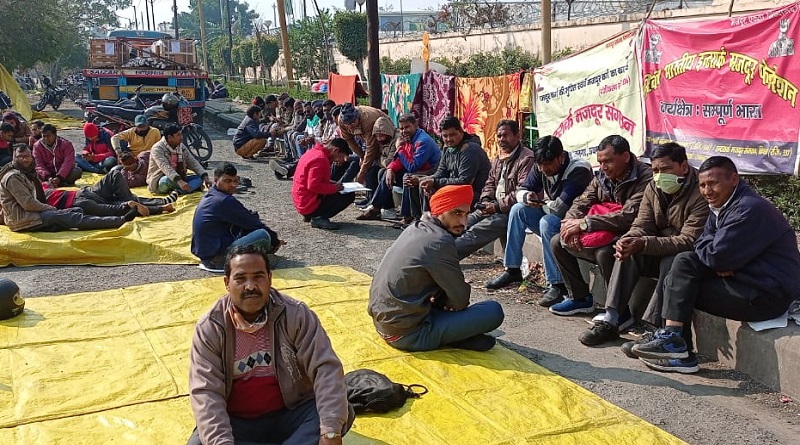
(726, 87)
(591, 95)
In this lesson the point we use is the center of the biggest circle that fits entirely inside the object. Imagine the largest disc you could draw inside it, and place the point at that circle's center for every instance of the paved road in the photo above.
(716, 406)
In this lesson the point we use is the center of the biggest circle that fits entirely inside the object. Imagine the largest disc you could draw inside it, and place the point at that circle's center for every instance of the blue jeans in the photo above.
(96, 167)
(442, 327)
(523, 217)
(166, 185)
(258, 237)
(287, 426)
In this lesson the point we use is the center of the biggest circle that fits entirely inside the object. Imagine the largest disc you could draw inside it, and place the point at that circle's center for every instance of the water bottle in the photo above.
(524, 267)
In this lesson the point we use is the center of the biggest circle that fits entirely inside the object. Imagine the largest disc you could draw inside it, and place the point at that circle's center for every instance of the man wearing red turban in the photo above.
(419, 299)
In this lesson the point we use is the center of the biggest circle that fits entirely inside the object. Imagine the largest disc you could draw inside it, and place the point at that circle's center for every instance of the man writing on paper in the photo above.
(315, 196)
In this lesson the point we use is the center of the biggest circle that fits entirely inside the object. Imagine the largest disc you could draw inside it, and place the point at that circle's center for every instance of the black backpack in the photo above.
(370, 391)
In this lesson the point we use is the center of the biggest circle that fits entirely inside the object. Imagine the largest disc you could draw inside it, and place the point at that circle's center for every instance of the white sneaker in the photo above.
(388, 213)
(624, 324)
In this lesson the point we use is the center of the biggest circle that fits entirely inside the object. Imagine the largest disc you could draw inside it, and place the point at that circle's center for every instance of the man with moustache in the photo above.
(509, 169)
(262, 369)
(418, 299)
(140, 138)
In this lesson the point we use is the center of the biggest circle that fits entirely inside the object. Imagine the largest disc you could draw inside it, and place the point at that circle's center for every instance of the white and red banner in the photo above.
(726, 87)
(591, 95)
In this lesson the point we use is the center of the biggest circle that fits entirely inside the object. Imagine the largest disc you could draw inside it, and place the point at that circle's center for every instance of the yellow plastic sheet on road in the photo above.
(111, 367)
(60, 120)
(157, 239)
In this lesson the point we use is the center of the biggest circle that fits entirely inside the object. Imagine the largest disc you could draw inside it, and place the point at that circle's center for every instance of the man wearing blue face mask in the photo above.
(671, 217)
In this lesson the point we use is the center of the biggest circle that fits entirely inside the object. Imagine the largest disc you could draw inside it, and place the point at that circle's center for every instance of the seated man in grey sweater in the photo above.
(419, 300)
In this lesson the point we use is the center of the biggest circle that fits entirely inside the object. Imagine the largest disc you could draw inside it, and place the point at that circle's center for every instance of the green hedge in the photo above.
(247, 91)
(783, 191)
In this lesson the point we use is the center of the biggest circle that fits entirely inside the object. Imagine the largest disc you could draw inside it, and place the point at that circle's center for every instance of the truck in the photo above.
(152, 61)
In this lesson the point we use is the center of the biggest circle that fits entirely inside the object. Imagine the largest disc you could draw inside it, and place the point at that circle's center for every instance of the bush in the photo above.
(247, 91)
(399, 66)
(782, 190)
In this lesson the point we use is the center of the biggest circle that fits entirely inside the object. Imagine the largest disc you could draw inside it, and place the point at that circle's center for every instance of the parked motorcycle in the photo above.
(117, 115)
(52, 96)
(5, 101)
(174, 108)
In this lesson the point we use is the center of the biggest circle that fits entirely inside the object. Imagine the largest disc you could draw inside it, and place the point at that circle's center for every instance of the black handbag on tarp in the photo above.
(372, 392)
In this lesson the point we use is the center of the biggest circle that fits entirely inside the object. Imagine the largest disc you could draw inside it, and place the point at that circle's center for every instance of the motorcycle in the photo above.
(52, 96)
(179, 111)
(116, 115)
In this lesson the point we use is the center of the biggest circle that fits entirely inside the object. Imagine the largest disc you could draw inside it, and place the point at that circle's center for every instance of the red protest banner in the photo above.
(725, 87)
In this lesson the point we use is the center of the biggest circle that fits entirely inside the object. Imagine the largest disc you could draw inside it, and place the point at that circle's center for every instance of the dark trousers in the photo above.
(481, 230)
(411, 205)
(288, 426)
(346, 171)
(624, 276)
(692, 285)
(332, 205)
(383, 196)
(58, 220)
(91, 207)
(113, 188)
(567, 261)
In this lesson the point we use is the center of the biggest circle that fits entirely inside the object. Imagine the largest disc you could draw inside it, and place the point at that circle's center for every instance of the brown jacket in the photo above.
(367, 117)
(519, 164)
(161, 163)
(384, 126)
(628, 193)
(305, 365)
(21, 209)
(668, 228)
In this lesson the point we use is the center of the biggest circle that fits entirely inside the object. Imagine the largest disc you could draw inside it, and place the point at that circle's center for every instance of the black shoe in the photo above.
(555, 294)
(247, 182)
(480, 342)
(510, 276)
(324, 223)
(627, 347)
(600, 332)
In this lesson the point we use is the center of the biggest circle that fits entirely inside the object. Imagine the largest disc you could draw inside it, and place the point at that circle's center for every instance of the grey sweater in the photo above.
(422, 263)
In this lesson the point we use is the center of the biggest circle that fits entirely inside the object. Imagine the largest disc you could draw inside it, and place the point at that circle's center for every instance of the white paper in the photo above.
(176, 46)
(352, 187)
(109, 48)
(775, 323)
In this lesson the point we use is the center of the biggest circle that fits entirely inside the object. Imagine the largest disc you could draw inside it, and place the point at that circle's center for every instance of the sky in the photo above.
(163, 8)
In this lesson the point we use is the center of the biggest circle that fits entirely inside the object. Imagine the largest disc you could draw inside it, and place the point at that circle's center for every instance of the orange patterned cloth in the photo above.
(482, 102)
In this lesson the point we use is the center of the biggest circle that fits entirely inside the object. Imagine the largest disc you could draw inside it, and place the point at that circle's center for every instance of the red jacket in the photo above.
(312, 178)
(101, 148)
(58, 162)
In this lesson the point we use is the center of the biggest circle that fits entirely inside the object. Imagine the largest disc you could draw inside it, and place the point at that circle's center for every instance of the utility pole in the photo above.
(175, 17)
(141, 14)
(147, 14)
(230, 36)
(547, 19)
(202, 33)
(373, 55)
(152, 13)
(135, 17)
(287, 57)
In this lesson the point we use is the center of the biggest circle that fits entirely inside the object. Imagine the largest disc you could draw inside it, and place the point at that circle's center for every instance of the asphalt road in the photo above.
(715, 406)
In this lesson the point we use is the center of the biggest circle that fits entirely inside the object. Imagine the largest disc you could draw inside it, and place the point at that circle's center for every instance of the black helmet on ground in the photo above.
(11, 303)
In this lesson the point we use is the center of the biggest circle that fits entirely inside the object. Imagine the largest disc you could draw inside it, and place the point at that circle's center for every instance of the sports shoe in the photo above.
(208, 266)
(665, 344)
(686, 365)
(370, 214)
(278, 168)
(571, 306)
(509, 276)
(646, 337)
(389, 214)
(480, 342)
(324, 223)
(625, 320)
(555, 294)
(600, 332)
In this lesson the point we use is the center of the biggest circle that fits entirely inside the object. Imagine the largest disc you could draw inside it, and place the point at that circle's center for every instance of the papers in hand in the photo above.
(352, 187)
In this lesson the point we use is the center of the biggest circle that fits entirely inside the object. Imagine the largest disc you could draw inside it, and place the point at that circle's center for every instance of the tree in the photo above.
(310, 46)
(267, 54)
(59, 26)
(350, 31)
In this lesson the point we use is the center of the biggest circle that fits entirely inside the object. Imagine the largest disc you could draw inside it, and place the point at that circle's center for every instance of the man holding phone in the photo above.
(542, 201)
(511, 166)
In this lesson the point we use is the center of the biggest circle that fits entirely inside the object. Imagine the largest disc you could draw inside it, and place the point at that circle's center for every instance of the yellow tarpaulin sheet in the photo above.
(60, 120)
(111, 367)
(19, 100)
(157, 239)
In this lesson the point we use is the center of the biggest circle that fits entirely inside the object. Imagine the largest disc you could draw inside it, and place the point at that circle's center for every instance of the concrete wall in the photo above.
(575, 34)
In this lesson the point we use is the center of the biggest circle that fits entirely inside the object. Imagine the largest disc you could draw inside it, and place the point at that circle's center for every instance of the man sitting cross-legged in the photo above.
(510, 168)
(222, 221)
(670, 219)
(170, 162)
(418, 299)
(25, 208)
(745, 266)
(262, 369)
(543, 199)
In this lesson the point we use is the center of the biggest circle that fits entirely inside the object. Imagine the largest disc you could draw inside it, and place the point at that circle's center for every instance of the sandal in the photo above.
(370, 215)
